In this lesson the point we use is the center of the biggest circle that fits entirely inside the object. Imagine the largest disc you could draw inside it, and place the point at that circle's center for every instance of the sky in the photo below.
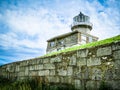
(26, 25)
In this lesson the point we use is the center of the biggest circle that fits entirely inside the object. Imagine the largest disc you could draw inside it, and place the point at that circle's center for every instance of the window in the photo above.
(90, 39)
(83, 37)
(61, 42)
(52, 44)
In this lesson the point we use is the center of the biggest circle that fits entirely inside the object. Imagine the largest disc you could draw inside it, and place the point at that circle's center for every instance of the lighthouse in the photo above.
(80, 34)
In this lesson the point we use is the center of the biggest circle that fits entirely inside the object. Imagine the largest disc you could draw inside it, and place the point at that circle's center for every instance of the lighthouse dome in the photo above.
(81, 23)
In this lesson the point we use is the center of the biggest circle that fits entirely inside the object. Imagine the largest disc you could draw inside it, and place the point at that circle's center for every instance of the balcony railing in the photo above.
(81, 23)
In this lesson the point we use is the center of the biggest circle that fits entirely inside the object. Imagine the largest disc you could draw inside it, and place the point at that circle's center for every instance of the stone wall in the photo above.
(85, 68)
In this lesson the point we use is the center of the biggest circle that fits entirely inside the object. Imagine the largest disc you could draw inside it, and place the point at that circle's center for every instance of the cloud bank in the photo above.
(26, 25)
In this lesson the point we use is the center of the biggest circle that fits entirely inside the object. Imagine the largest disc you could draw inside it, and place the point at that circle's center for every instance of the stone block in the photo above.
(62, 65)
(52, 72)
(62, 72)
(117, 69)
(81, 61)
(82, 53)
(33, 61)
(24, 63)
(69, 71)
(93, 61)
(72, 60)
(116, 46)
(77, 84)
(78, 75)
(116, 54)
(32, 67)
(46, 60)
(43, 72)
(26, 71)
(39, 67)
(84, 72)
(46, 72)
(109, 74)
(49, 66)
(17, 68)
(21, 63)
(66, 79)
(21, 74)
(39, 61)
(92, 85)
(53, 79)
(117, 64)
(104, 51)
(22, 68)
(33, 73)
(56, 59)
(10, 68)
(77, 72)
(84, 76)
(96, 74)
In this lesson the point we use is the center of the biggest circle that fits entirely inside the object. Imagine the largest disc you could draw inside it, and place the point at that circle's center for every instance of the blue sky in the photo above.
(25, 25)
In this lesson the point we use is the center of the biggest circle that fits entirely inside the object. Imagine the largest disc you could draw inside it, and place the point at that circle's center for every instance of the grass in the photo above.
(105, 86)
(93, 44)
(33, 84)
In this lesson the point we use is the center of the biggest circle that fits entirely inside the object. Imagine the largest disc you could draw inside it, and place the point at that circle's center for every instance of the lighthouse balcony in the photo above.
(81, 24)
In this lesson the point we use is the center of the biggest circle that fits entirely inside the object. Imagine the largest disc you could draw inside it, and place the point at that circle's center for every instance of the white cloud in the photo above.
(43, 25)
